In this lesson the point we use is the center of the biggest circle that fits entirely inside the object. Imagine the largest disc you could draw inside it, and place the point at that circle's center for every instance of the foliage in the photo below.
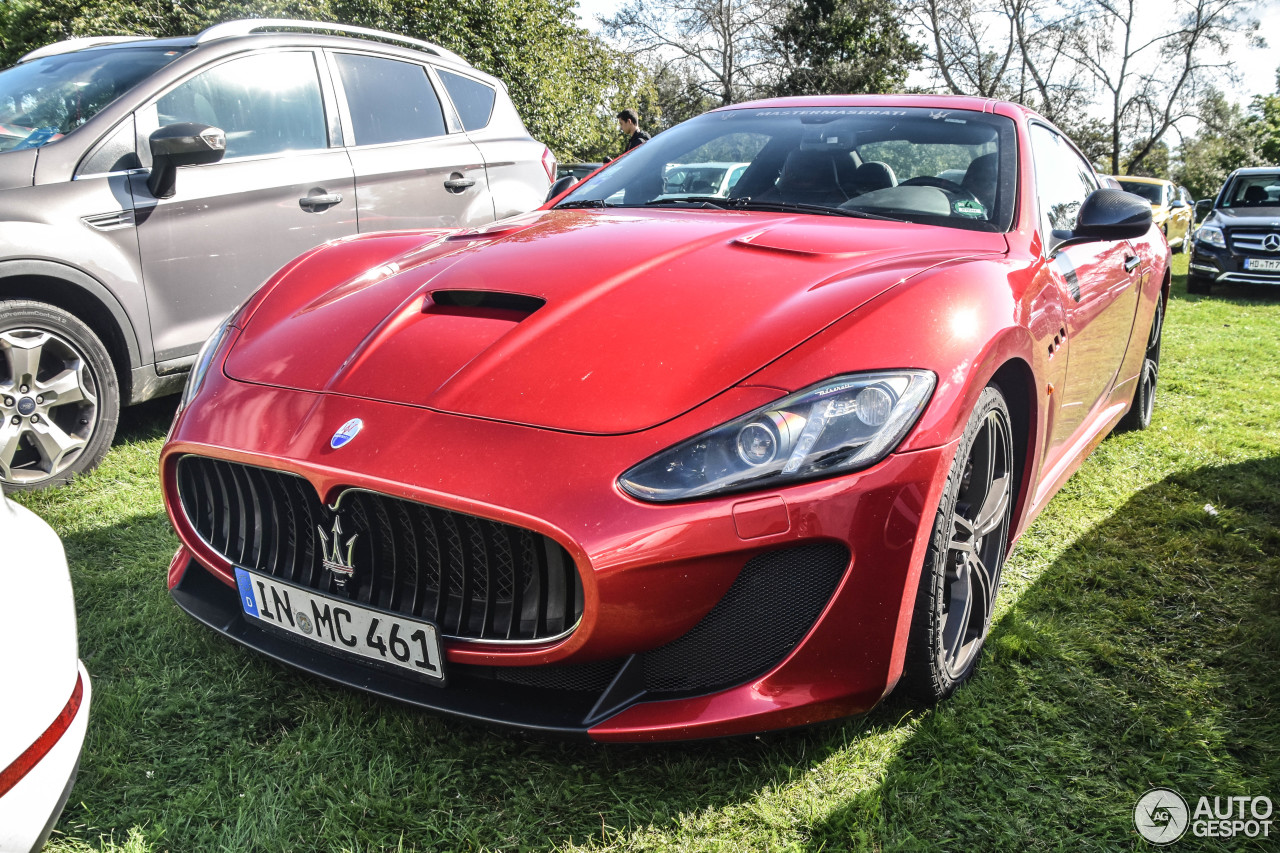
(1265, 124)
(839, 46)
(566, 83)
(1227, 141)
(1134, 646)
(672, 95)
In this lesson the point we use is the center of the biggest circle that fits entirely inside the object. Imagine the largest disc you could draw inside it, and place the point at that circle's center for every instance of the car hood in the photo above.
(587, 321)
(1258, 217)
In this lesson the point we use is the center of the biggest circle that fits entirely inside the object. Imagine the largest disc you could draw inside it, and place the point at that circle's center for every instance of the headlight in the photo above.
(198, 370)
(1212, 235)
(844, 424)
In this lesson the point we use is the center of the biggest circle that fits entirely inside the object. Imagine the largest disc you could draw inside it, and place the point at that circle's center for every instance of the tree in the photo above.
(727, 46)
(836, 46)
(1057, 58)
(1227, 139)
(1190, 52)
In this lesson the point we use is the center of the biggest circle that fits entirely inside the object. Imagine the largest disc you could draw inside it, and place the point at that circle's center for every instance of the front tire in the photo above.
(1198, 284)
(59, 398)
(961, 573)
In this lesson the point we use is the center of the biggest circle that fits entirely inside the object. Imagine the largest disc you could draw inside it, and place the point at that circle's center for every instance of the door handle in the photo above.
(457, 183)
(319, 203)
(1130, 263)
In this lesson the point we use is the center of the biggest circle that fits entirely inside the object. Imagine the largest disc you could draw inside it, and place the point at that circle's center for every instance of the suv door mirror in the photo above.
(1109, 214)
(182, 144)
(560, 186)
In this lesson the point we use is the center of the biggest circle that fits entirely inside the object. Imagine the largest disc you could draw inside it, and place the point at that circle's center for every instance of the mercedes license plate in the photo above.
(1262, 264)
(343, 625)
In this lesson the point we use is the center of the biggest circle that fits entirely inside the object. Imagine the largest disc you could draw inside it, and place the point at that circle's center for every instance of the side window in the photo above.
(268, 103)
(473, 99)
(1063, 181)
(389, 101)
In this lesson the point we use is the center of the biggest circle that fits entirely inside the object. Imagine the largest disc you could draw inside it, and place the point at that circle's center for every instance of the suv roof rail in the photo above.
(252, 25)
(72, 45)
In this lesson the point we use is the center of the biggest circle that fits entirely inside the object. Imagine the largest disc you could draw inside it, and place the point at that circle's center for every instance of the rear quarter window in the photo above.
(473, 99)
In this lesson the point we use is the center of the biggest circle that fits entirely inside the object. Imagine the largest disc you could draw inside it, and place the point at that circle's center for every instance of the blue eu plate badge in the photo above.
(346, 432)
(247, 601)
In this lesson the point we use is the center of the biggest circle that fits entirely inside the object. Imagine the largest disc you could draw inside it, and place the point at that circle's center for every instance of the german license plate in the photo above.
(343, 625)
(1262, 264)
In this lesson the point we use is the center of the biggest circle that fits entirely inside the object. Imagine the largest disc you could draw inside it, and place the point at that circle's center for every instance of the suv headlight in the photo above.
(1212, 235)
(840, 425)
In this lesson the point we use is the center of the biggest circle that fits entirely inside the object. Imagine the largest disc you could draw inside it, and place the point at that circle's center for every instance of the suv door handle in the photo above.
(457, 183)
(1130, 263)
(319, 203)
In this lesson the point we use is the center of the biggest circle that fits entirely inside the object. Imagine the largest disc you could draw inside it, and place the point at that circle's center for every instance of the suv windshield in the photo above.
(1253, 191)
(952, 168)
(45, 99)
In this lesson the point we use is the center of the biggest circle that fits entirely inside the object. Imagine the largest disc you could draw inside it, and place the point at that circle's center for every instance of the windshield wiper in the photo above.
(714, 201)
(748, 204)
(584, 202)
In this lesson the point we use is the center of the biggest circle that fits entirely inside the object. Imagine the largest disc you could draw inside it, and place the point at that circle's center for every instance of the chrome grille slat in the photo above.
(475, 578)
(1252, 240)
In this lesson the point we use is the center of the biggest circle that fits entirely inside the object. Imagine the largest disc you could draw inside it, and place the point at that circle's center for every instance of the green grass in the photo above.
(1138, 644)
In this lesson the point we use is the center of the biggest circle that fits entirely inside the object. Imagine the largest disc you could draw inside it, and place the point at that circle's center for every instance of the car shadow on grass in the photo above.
(1145, 656)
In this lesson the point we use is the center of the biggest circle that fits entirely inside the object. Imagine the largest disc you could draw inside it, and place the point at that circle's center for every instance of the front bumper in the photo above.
(702, 619)
(1225, 266)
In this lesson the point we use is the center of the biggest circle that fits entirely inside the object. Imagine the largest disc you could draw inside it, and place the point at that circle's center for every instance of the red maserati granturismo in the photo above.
(657, 462)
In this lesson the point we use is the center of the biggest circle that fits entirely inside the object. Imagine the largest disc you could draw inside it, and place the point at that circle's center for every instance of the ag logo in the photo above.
(346, 432)
(1161, 816)
(1271, 242)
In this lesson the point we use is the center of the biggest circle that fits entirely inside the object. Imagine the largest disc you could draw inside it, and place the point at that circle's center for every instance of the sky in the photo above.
(1256, 67)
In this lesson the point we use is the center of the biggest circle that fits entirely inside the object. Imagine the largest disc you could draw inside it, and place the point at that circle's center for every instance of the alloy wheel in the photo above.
(48, 402)
(975, 552)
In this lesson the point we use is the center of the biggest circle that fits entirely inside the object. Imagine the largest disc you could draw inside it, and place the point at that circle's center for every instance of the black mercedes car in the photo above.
(1239, 241)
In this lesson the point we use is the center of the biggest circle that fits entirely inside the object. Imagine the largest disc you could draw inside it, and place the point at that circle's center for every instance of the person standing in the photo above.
(629, 124)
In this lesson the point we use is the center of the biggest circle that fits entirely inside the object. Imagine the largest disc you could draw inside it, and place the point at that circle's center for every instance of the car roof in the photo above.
(1138, 179)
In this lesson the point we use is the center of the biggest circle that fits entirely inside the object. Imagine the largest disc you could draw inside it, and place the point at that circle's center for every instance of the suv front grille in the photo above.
(1251, 241)
(476, 579)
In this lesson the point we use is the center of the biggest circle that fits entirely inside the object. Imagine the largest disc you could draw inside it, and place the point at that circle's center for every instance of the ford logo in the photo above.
(346, 432)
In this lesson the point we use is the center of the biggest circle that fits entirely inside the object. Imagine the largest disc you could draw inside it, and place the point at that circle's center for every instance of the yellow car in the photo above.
(1171, 207)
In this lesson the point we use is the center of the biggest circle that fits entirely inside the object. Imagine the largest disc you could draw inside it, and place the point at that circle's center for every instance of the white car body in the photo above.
(45, 685)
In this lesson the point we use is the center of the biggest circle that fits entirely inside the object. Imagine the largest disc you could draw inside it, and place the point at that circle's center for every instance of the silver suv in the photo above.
(148, 186)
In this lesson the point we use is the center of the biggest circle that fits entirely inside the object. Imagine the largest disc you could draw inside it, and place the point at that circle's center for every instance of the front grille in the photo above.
(1251, 241)
(474, 578)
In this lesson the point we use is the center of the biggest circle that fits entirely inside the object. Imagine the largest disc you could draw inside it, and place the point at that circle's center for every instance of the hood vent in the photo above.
(481, 303)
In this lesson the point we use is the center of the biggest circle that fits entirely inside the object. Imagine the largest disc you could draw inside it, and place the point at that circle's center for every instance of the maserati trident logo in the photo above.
(937, 114)
(346, 432)
(339, 564)
(1271, 242)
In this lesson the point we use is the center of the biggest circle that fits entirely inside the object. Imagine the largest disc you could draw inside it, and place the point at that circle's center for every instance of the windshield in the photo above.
(1253, 191)
(45, 99)
(1153, 193)
(952, 168)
